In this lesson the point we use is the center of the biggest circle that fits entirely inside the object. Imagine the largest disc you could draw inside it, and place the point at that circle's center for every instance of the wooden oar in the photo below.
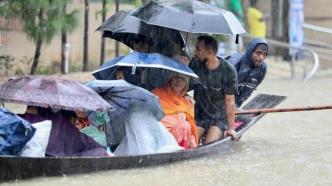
(294, 109)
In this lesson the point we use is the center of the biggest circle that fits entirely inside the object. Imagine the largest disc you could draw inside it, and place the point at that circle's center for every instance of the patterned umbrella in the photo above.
(52, 92)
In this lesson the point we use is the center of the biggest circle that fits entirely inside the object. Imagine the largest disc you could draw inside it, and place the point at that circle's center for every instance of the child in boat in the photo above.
(179, 110)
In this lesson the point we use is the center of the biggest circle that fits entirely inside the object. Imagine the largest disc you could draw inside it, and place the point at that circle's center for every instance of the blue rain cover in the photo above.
(14, 132)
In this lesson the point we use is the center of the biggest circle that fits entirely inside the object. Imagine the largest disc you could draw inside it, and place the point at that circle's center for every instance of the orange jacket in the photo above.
(173, 104)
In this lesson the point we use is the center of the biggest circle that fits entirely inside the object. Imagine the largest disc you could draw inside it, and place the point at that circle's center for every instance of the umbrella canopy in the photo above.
(124, 27)
(190, 16)
(52, 92)
(137, 59)
(121, 95)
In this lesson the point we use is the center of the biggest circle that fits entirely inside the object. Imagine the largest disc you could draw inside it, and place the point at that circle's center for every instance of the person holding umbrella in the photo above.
(215, 97)
(140, 44)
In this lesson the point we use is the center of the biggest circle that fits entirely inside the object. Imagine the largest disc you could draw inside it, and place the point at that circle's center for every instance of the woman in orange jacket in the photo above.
(179, 110)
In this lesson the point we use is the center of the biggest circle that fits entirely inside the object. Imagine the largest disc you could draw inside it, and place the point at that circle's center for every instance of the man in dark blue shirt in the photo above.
(250, 67)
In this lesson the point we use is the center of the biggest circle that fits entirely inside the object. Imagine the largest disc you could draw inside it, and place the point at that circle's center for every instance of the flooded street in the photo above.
(281, 149)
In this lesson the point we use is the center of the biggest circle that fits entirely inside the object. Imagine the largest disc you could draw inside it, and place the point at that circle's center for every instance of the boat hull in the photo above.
(27, 167)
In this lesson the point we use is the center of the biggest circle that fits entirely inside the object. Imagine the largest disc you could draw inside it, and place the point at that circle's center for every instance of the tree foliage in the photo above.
(106, 6)
(70, 20)
(69, 24)
(144, 2)
(86, 35)
(41, 20)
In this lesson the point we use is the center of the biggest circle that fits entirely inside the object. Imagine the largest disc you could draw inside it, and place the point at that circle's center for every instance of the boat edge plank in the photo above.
(16, 168)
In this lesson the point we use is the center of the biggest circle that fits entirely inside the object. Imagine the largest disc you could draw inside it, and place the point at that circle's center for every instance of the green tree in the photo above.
(144, 2)
(104, 11)
(138, 3)
(7, 62)
(86, 35)
(70, 22)
(41, 20)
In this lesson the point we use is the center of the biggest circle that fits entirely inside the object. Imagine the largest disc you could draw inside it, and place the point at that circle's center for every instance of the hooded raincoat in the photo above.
(249, 75)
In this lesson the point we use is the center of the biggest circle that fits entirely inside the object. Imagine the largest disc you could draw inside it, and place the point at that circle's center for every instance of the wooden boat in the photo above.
(27, 167)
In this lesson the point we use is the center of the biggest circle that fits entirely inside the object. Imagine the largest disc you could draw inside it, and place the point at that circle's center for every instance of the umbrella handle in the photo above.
(133, 70)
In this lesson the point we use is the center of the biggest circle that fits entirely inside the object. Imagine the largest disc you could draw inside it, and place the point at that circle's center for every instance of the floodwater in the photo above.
(281, 149)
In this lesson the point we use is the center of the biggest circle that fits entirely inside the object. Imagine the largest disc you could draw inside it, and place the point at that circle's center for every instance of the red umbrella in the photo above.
(52, 92)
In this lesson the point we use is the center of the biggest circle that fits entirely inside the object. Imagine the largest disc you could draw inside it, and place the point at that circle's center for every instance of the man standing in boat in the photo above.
(250, 67)
(215, 96)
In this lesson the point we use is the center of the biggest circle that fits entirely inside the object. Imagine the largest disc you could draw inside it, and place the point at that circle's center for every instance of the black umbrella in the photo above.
(124, 27)
(190, 16)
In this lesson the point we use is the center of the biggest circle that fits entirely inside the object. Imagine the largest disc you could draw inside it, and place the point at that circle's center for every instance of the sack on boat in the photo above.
(15, 132)
(96, 134)
(144, 134)
(98, 118)
(36, 146)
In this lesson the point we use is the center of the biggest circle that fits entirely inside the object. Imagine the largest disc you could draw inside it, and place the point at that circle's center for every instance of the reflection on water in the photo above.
(283, 148)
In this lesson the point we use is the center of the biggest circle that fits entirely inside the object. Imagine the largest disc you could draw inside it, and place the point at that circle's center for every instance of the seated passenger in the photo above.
(140, 44)
(158, 77)
(65, 138)
(125, 73)
(179, 110)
